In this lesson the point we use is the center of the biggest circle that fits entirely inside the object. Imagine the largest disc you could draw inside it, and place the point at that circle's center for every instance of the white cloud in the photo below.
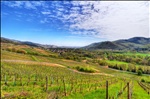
(29, 5)
(13, 3)
(44, 20)
(102, 19)
(110, 19)
(25, 4)
(45, 12)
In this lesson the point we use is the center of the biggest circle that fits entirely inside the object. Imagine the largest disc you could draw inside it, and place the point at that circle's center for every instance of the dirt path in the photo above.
(51, 64)
(33, 62)
(91, 73)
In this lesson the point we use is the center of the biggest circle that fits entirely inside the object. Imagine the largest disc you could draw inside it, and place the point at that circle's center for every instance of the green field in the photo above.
(44, 74)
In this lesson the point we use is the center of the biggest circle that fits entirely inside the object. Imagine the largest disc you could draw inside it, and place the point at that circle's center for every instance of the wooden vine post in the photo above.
(46, 83)
(128, 85)
(106, 89)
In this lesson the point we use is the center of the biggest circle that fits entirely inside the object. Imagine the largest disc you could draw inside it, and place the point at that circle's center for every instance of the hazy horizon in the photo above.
(74, 23)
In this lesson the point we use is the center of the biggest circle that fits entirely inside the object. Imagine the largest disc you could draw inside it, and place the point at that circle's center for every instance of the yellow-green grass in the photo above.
(14, 56)
(56, 74)
(120, 62)
(136, 53)
(6, 55)
(27, 49)
(11, 70)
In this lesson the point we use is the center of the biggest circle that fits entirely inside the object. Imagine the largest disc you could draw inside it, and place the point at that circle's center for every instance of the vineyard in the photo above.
(75, 49)
(46, 77)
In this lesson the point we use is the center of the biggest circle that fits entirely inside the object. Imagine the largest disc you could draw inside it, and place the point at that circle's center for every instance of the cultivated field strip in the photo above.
(50, 78)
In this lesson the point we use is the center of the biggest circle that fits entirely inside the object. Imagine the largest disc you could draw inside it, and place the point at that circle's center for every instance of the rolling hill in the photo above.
(6, 40)
(136, 43)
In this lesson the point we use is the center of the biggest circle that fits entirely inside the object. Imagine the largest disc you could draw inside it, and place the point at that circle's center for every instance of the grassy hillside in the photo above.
(35, 73)
(135, 43)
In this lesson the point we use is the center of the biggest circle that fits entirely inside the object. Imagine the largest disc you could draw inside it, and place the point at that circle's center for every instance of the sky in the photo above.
(74, 23)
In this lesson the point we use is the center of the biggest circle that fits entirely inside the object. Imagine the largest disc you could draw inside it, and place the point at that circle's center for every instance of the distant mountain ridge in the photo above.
(6, 40)
(135, 43)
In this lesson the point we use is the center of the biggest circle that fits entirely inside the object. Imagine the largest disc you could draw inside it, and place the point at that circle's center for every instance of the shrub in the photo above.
(131, 68)
(123, 67)
(142, 80)
(13, 50)
(85, 69)
(21, 51)
(103, 63)
(8, 49)
(139, 73)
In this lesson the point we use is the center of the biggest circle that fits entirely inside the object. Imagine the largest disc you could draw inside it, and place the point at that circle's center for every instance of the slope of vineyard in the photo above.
(40, 74)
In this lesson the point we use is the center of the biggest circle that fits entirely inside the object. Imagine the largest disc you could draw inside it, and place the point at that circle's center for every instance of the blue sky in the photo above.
(75, 23)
